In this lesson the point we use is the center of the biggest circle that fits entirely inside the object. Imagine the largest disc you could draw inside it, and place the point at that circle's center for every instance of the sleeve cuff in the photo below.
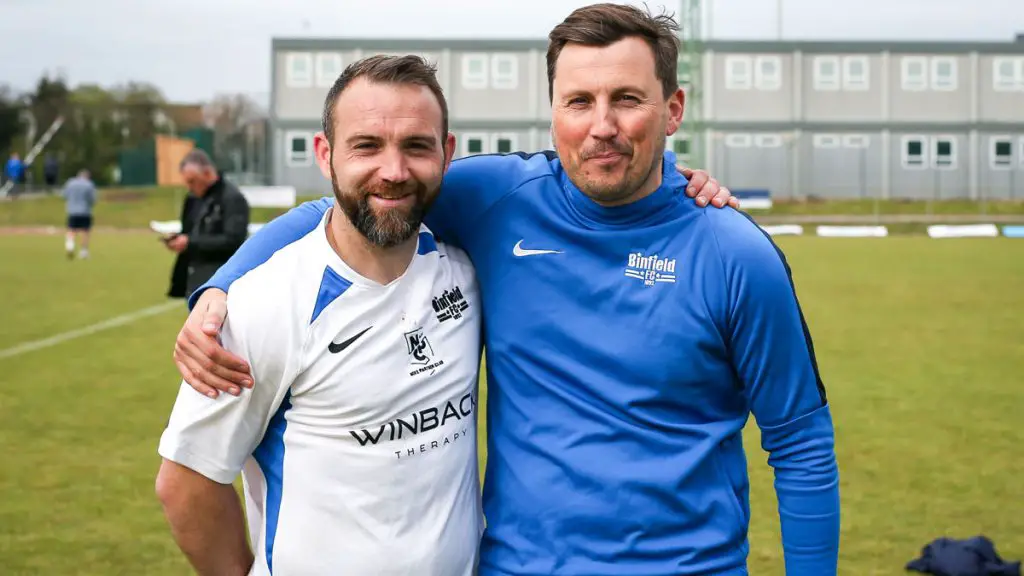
(179, 453)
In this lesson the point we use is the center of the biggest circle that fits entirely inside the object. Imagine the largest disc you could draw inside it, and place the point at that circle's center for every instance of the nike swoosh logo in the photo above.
(518, 250)
(335, 348)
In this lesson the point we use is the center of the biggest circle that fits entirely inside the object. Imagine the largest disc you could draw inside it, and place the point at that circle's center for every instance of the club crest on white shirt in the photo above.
(421, 353)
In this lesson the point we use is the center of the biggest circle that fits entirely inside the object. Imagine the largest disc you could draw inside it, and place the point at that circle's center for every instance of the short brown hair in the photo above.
(606, 24)
(384, 69)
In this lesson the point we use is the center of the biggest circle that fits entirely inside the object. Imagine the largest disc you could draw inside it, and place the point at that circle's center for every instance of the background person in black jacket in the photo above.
(214, 223)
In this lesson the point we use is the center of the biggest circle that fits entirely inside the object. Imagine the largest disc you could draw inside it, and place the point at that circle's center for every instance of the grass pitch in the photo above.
(918, 342)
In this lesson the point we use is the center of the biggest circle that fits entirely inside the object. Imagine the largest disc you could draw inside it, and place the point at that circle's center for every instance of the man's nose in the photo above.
(394, 166)
(604, 125)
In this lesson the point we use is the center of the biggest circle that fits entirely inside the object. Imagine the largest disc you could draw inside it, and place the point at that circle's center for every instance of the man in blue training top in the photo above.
(629, 335)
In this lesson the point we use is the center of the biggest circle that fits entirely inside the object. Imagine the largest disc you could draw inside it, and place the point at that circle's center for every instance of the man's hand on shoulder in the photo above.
(203, 362)
(706, 190)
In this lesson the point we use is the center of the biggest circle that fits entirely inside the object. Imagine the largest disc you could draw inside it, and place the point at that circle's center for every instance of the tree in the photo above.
(139, 104)
(237, 122)
(11, 125)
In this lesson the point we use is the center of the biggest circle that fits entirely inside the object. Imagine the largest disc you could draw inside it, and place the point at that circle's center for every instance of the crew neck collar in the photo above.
(663, 199)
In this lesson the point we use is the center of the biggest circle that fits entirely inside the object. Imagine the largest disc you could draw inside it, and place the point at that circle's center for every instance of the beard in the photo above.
(386, 228)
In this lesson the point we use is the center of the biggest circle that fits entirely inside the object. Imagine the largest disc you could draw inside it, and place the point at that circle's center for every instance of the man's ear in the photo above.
(449, 150)
(322, 153)
(676, 104)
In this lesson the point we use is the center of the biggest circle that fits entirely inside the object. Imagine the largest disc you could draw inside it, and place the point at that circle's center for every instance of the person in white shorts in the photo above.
(357, 445)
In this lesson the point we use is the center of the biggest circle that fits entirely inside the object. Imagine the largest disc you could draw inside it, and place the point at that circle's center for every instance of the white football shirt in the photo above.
(357, 444)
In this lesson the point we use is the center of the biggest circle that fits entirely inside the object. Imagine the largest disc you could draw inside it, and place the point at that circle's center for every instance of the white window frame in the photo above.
(917, 85)
(326, 78)
(290, 159)
(992, 156)
(291, 78)
(952, 165)
(738, 140)
(856, 141)
(768, 140)
(905, 156)
(512, 137)
(484, 143)
(742, 78)
(472, 81)
(852, 83)
(501, 81)
(824, 82)
(767, 82)
(826, 141)
(1016, 80)
(944, 84)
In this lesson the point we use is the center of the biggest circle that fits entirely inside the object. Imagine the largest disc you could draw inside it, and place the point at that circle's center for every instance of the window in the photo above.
(328, 68)
(826, 73)
(855, 141)
(737, 140)
(299, 149)
(474, 143)
(1008, 74)
(738, 73)
(944, 74)
(768, 73)
(768, 140)
(855, 73)
(474, 71)
(680, 145)
(826, 141)
(504, 143)
(504, 71)
(299, 70)
(915, 73)
(944, 152)
(1001, 152)
(914, 151)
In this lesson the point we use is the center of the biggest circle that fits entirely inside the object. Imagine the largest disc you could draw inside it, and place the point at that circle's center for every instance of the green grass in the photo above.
(918, 342)
(115, 208)
(867, 207)
(136, 207)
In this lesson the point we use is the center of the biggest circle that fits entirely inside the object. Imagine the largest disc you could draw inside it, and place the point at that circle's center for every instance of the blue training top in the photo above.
(625, 348)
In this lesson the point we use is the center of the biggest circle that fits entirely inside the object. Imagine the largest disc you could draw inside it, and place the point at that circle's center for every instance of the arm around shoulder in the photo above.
(277, 234)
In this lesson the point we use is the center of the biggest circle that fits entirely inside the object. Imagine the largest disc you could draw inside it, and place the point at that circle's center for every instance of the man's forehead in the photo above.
(628, 61)
(365, 105)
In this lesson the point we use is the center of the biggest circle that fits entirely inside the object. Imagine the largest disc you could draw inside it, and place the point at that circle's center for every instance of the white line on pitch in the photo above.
(105, 325)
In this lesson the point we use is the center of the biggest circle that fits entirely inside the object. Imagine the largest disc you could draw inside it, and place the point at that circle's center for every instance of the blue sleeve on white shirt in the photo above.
(277, 234)
(771, 350)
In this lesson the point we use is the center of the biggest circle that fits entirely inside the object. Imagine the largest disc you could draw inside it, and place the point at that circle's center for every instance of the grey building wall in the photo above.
(868, 117)
(838, 165)
(932, 179)
(837, 102)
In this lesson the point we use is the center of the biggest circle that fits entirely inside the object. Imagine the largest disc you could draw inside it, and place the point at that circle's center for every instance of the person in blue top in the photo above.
(14, 170)
(629, 335)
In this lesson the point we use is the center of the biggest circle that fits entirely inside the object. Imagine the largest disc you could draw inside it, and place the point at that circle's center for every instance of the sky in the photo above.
(194, 49)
